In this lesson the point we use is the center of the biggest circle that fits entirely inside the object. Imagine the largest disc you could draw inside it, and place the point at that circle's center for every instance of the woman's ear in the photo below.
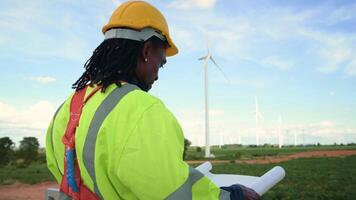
(147, 50)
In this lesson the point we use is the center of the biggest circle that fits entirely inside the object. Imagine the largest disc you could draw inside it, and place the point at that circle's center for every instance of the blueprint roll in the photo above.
(268, 180)
(205, 168)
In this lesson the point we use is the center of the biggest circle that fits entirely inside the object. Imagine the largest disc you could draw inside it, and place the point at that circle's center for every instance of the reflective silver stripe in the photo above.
(224, 195)
(185, 190)
(63, 196)
(100, 114)
(55, 194)
(138, 35)
(51, 134)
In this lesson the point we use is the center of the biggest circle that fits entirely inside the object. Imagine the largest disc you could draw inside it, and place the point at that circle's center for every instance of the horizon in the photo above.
(297, 58)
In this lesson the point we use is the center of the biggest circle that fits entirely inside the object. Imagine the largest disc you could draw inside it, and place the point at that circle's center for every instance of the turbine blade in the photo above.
(216, 64)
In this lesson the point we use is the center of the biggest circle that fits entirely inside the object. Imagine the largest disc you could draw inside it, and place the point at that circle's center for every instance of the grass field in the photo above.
(35, 173)
(306, 178)
(245, 152)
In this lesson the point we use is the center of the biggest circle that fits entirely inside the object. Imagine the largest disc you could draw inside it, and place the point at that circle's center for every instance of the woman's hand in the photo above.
(249, 194)
(240, 192)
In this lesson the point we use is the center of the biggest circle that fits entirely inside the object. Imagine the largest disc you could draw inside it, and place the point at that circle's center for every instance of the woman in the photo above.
(113, 140)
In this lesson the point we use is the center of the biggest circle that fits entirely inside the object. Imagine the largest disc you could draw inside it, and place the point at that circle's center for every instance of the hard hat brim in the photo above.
(171, 49)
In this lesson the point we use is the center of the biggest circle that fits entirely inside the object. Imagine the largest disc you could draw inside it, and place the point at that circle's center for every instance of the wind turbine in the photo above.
(221, 139)
(206, 89)
(280, 136)
(239, 138)
(258, 116)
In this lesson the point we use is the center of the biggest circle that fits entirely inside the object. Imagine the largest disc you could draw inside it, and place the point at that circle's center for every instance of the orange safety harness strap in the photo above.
(72, 184)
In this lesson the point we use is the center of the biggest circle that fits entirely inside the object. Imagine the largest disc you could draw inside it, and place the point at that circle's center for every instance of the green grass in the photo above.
(307, 178)
(251, 153)
(34, 173)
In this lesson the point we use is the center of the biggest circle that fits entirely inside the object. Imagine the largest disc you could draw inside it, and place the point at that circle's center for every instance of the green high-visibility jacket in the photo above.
(128, 149)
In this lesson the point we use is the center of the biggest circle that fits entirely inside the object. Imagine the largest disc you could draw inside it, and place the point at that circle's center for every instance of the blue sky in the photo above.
(297, 57)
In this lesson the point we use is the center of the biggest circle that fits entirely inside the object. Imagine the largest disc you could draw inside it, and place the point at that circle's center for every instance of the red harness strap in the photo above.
(72, 184)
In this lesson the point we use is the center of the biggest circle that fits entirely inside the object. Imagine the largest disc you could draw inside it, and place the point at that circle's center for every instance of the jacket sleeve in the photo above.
(52, 162)
(50, 157)
(152, 165)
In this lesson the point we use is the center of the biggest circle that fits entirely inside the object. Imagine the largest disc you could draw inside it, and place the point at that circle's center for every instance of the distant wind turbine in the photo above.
(280, 136)
(239, 137)
(258, 116)
(206, 60)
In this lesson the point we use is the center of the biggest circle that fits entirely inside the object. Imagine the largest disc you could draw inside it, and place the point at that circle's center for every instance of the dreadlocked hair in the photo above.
(113, 60)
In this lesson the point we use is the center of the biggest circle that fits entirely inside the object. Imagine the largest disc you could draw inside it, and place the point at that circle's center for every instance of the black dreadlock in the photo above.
(112, 61)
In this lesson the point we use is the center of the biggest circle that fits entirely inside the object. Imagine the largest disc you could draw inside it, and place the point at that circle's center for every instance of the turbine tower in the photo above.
(280, 136)
(206, 90)
(258, 116)
(239, 136)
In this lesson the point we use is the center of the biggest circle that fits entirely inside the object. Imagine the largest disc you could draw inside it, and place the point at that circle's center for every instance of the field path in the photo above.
(20, 191)
(306, 154)
(282, 158)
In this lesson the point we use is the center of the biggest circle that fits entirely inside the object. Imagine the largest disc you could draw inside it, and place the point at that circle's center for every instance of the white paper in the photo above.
(268, 180)
(204, 168)
(260, 184)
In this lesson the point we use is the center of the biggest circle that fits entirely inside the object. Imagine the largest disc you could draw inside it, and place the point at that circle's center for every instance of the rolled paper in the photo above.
(268, 180)
(229, 179)
(260, 184)
(205, 168)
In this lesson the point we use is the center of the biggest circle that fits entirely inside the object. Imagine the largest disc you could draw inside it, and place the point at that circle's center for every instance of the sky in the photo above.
(298, 58)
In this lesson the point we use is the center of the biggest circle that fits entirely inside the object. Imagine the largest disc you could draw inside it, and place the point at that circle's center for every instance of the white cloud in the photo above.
(116, 3)
(324, 124)
(280, 38)
(33, 121)
(334, 53)
(43, 34)
(341, 14)
(181, 36)
(217, 112)
(325, 132)
(257, 82)
(43, 79)
(192, 121)
(224, 128)
(277, 63)
(192, 4)
(36, 116)
(351, 68)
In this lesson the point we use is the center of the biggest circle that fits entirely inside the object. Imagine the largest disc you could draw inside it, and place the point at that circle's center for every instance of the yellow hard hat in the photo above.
(139, 15)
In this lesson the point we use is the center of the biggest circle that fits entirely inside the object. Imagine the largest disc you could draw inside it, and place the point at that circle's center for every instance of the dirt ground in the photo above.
(308, 154)
(20, 191)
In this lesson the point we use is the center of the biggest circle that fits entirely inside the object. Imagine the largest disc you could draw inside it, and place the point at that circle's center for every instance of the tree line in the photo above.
(28, 151)
(25, 154)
